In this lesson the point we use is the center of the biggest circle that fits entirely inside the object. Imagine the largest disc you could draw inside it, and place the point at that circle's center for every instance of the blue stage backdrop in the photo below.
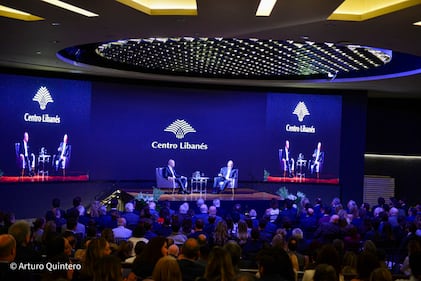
(123, 132)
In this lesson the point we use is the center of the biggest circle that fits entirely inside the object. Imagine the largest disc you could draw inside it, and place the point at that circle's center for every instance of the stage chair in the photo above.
(233, 184)
(162, 182)
(21, 163)
(64, 165)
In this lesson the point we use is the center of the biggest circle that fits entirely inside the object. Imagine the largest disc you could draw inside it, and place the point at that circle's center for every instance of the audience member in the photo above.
(167, 269)
(21, 231)
(121, 232)
(219, 267)
(97, 248)
(274, 264)
(144, 264)
(190, 268)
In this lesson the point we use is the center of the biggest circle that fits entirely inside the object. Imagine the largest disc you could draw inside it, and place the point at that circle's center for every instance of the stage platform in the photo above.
(240, 194)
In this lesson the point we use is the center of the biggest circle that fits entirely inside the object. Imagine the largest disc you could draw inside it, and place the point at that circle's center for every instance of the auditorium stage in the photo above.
(240, 194)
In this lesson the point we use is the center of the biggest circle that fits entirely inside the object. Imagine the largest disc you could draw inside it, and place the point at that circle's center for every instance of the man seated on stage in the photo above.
(318, 158)
(63, 155)
(225, 177)
(287, 162)
(170, 174)
(26, 156)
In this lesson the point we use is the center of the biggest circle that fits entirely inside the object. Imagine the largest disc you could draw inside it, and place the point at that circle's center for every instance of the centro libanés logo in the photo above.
(301, 111)
(43, 97)
(180, 128)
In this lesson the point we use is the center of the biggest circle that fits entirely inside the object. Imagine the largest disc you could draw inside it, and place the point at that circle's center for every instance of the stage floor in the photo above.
(240, 194)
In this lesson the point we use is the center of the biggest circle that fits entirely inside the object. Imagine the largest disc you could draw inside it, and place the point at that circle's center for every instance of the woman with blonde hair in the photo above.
(166, 269)
(220, 236)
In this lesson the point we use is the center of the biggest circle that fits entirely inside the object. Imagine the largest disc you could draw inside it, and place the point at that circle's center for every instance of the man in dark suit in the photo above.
(287, 162)
(26, 156)
(63, 154)
(317, 162)
(225, 177)
(170, 174)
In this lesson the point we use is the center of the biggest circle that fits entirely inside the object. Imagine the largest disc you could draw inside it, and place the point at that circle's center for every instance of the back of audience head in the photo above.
(183, 209)
(245, 276)
(129, 207)
(234, 250)
(275, 262)
(7, 248)
(329, 255)
(108, 234)
(139, 247)
(108, 268)
(219, 266)
(216, 202)
(21, 231)
(212, 211)
(191, 249)
(200, 202)
(154, 250)
(367, 263)
(369, 246)
(381, 274)
(166, 269)
(325, 272)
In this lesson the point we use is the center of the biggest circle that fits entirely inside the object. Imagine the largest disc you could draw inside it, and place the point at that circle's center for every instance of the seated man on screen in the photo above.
(225, 177)
(26, 156)
(170, 174)
(317, 162)
(63, 154)
(287, 162)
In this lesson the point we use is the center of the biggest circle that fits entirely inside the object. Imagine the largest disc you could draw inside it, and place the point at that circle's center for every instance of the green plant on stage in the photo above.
(266, 174)
(296, 198)
(146, 198)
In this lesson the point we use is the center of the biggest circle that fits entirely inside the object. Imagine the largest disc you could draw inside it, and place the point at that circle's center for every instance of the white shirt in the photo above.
(122, 232)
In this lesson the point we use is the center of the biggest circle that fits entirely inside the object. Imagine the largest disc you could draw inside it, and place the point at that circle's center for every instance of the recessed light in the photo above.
(17, 14)
(71, 8)
(265, 8)
(163, 7)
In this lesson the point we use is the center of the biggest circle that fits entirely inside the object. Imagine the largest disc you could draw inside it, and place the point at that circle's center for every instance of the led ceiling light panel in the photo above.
(361, 10)
(242, 58)
(163, 7)
(17, 14)
(265, 8)
(71, 8)
(417, 23)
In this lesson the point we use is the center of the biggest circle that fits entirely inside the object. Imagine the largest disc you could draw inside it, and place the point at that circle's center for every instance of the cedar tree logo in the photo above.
(301, 111)
(43, 97)
(180, 128)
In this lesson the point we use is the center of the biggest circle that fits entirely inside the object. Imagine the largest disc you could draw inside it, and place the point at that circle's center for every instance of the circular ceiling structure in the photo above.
(244, 58)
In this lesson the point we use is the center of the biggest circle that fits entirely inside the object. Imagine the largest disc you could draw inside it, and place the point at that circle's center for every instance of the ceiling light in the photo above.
(417, 23)
(71, 8)
(163, 7)
(361, 10)
(17, 14)
(265, 8)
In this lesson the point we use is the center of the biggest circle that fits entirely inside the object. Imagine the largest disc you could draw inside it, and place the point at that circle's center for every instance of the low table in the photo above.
(197, 184)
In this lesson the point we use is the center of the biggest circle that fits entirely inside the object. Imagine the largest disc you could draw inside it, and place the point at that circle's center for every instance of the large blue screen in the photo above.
(124, 131)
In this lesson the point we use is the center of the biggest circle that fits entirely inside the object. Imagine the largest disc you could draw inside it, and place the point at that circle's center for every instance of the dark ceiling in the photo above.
(34, 45)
